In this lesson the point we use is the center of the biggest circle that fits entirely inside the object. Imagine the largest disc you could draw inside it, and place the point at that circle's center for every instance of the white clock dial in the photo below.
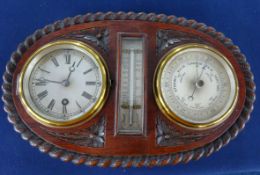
(197, 85)
(63, 82)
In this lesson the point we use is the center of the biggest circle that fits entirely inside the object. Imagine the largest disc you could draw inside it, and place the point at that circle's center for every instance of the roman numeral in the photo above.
(86, 95)
(79, 106)
(79, 62)
(64, 109)
(91, 83)
(51, 104)
(42, 94)
(55, 62)
(64, 103)
(40, 82)
(43, 70)
(87, 71)
(68, 58)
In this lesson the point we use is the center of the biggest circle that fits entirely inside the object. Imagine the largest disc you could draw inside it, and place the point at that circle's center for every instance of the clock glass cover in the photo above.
(195, 86)
(63, 83)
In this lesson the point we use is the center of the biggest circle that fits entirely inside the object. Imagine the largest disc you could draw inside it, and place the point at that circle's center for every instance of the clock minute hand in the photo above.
(43, 80)
(51, 81)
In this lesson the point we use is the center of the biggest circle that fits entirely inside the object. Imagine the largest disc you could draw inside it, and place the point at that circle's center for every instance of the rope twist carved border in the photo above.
(136, 161)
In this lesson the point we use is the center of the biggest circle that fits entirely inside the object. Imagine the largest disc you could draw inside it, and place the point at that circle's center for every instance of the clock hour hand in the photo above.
(66, 82)
(71, 69)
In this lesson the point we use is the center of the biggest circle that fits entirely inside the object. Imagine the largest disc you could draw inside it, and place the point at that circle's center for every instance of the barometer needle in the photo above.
(191, 96)
(198, 79)
(203, 68)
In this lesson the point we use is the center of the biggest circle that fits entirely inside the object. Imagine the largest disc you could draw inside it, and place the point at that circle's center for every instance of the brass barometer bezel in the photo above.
(39, 54)
(164, 107)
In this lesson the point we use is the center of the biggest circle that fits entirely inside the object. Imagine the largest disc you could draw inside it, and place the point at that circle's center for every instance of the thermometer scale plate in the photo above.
(131, 94)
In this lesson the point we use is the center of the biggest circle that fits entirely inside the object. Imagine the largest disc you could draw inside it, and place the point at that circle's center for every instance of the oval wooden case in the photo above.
(95, 142)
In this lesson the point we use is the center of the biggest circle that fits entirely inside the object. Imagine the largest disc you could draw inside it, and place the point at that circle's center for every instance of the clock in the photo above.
(128, 89)
(55, 98)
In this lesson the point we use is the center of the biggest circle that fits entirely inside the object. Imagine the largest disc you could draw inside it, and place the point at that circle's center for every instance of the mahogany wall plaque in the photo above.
(128, 89)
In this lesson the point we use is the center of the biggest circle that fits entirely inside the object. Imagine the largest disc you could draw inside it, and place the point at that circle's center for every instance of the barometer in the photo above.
(196, 86)
(128, 89)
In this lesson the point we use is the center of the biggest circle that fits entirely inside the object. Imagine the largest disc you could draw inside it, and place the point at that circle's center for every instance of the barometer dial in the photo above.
(63, 82)
(196, 86)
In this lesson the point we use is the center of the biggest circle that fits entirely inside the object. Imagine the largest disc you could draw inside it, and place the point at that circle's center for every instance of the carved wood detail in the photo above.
(168, 135)
(94, 136)
(167, 39)
(97, 36)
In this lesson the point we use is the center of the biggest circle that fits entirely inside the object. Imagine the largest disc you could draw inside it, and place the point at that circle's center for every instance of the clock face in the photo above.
(63, 83)
(196, 86)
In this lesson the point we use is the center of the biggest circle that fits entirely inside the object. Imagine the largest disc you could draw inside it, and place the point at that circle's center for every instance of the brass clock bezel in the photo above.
(165, 109)
(82, 118)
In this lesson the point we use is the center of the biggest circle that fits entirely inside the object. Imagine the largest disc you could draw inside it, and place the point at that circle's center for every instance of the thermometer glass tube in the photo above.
(131, 95)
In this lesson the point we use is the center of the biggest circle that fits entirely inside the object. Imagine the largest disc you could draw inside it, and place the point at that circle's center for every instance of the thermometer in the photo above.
(131, 96)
